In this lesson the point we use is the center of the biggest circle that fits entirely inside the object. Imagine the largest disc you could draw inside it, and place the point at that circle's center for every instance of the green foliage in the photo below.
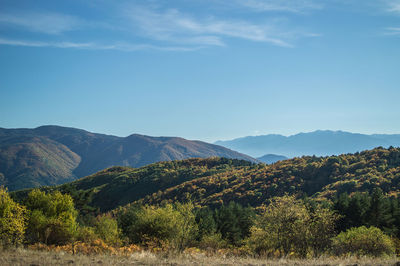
(287, 226)
(12, 220)
(234, 222)
(283, 226)
(206, 222)
(213, 241)
(363, 241)
(51, 219)
(86, 234)
(321, 226)
(231, 223)
(106, 227)
(375, 209)
(171, 226)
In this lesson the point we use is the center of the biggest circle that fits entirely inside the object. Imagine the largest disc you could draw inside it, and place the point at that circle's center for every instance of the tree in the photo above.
(283, 226)
(52, 217)
(379, 212)
(206, 222)
(322, 228)
(12, 220)
(234, 222)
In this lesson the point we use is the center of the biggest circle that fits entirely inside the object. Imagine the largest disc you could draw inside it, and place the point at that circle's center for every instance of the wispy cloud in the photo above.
(394, 6)
(392, 31)
(120, 46)
(174, 26)
(294, 6)
(155, 26)
(43, 22)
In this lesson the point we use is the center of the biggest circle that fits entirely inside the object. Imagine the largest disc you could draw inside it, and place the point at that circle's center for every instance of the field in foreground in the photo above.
(29, 257)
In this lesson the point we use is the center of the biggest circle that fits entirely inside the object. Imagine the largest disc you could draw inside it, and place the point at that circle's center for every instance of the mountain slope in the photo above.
(217, 181)
(118, 186)
(50, 155)
(317, 177)
(319, 143)
(28, 161)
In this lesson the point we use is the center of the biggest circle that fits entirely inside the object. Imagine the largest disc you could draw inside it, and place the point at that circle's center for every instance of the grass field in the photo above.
(29, 257)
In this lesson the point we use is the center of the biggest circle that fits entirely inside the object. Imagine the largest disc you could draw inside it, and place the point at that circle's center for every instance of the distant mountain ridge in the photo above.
(50, 155)
(319, 143)
(271, 158)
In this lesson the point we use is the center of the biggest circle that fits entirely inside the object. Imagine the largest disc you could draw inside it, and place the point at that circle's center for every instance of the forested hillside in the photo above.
(217, 181)
(318, 177)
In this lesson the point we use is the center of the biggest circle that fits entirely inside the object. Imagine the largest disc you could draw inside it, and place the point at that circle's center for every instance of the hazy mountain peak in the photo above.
(319, 142)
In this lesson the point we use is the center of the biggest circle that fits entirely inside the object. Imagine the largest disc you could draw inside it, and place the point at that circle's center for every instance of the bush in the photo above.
(213, 242)
(86, 234)
(107, 229)
(51, 219)
(169, 226)
(289, 226)
(12, 220)
(363, 241)
(283, 226)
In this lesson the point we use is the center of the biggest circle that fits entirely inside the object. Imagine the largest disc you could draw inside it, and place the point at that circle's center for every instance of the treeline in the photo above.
(367, 209)
(284, 226)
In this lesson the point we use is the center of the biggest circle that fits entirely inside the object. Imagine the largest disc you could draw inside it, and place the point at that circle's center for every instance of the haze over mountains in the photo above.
(319, 143)
(50, 155)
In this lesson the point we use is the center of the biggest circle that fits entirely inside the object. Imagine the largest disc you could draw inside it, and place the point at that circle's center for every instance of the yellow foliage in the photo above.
(96, 247)
(12, 220)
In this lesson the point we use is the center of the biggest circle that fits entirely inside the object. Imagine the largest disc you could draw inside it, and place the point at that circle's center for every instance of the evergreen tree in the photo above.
(379, 213)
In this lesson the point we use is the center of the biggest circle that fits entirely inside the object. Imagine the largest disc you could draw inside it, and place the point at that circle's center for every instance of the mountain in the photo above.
(271, 158)
(31, 161)
(319, 143)
(50, 155)
(216, 181)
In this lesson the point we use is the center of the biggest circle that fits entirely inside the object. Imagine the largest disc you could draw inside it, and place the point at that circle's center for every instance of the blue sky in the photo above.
(201, 69)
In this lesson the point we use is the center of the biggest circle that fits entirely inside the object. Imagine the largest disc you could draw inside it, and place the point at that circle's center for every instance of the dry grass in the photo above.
(30, 257)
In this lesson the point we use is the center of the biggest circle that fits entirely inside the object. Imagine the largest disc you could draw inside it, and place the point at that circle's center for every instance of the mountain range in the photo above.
(319, 143)
(50, 155)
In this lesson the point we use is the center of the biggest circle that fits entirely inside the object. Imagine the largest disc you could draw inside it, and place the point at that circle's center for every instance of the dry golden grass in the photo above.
(31, 257)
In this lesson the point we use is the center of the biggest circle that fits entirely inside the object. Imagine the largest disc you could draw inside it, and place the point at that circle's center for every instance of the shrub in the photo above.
(363, 241)
(283, 226)
(107, 229)
(289, 226)
(169, 226)
(51, 219)
(12, 220)
(213, 242)
(86, 234)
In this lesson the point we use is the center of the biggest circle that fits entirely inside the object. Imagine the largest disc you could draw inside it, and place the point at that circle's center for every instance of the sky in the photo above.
(201, 69)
